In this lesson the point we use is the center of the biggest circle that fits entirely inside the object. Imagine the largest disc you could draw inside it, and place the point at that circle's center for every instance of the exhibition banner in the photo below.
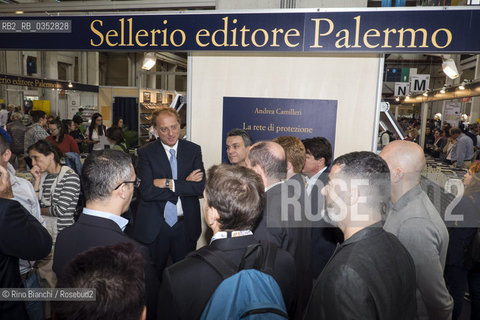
(7, 79)
(451, 113)
(369, 30)
(268, 118)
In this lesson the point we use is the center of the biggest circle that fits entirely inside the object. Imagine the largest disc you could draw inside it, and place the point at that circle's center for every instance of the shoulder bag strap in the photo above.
(270, 253)
(46, 199)
(216, 259)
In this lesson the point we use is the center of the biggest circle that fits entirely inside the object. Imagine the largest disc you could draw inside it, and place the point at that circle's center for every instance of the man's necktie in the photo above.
(170, 208)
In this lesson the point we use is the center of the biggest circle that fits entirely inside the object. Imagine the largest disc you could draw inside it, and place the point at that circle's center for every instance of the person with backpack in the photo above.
(235, 276)
(463, 255)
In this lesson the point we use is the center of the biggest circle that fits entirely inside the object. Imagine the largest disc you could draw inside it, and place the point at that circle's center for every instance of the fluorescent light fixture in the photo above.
(442, 90)
(450, 69)
(19, 12)
(149, 60)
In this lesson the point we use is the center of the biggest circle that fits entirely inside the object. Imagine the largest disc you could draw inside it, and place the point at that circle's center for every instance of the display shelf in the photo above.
(150, 100)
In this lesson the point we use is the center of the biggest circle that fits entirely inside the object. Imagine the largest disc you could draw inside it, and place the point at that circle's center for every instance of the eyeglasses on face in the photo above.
(136, 183)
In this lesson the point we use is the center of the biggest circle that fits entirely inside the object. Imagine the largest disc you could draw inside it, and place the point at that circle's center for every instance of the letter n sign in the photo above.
(401, 89)
(419, 83)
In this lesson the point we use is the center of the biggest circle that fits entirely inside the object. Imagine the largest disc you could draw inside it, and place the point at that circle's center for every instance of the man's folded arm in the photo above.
(22, 235)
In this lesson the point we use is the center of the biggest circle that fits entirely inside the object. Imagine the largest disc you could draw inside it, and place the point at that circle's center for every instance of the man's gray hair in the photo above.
(103, 171)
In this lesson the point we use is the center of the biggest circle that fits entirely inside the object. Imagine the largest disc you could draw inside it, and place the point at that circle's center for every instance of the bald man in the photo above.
(280, 220)
(418, 225)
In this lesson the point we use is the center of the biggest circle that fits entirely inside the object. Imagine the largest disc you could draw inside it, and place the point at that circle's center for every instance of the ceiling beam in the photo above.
(50, 8)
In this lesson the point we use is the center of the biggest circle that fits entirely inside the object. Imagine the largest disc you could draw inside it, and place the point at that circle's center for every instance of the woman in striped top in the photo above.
(57, 186)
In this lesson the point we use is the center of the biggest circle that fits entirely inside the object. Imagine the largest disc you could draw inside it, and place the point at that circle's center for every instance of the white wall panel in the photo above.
(352, 80)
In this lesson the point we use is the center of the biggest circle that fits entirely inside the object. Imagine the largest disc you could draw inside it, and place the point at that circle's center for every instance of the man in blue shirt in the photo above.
(462, 151)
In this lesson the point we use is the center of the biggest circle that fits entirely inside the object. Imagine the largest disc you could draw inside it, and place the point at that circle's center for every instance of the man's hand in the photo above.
(195, 176)
(5, 186)
(160, 183)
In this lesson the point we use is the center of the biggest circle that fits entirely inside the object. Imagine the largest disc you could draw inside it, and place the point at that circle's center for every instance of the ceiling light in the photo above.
(443, 89)
(462, 85)
(19, 12)
(450, 69)
(407, 98)
(425, 94)
(70, 85)
(397, 99)
(149, 61)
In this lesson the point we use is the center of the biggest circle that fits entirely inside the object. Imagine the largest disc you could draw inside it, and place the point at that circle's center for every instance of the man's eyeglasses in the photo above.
(136, 183)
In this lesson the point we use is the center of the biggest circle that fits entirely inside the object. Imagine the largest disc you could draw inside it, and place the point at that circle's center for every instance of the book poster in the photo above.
(268, 118)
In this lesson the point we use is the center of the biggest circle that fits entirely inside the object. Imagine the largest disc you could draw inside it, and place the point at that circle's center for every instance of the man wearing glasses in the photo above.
(108, 181)
(172, 173)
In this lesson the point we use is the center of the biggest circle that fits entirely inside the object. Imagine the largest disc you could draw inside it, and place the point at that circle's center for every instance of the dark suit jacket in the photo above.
(324, 236)
(188, 285)
(281, 228)
(153, 164)
(21, 236)
(89, 232)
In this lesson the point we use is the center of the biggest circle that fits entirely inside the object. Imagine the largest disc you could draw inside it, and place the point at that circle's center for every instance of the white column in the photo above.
(93, 74)
(424, 113)
(171, 77)
(51, 72)
(14, 94)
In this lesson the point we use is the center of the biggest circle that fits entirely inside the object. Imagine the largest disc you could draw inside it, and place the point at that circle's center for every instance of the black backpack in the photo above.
(244, 293)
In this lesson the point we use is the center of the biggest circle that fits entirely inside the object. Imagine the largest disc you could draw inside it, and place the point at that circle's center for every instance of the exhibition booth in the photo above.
(303, 72)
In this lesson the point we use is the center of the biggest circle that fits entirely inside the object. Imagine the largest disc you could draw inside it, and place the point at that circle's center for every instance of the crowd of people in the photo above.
(459, 145)
(294, 233)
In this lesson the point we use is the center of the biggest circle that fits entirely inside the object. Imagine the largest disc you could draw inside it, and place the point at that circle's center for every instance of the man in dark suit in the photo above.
(324, 236)
(172, 174)
(295, 186)
(280, 220)
(21, 236)
(108, 181)
(234, 199)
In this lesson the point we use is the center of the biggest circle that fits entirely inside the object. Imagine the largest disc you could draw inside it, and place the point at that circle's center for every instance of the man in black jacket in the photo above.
(234, 199)
(108, 181)
(279, 222)
(324, 236)
(21, 236)
(371, 275)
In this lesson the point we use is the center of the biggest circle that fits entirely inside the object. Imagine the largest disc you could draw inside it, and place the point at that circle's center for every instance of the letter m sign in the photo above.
(419, 83)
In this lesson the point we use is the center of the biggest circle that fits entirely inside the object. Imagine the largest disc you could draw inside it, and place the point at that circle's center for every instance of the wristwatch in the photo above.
(167, 183)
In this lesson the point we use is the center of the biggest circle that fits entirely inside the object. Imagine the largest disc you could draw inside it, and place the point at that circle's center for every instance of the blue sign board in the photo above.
(372, 30)
(268, 118)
